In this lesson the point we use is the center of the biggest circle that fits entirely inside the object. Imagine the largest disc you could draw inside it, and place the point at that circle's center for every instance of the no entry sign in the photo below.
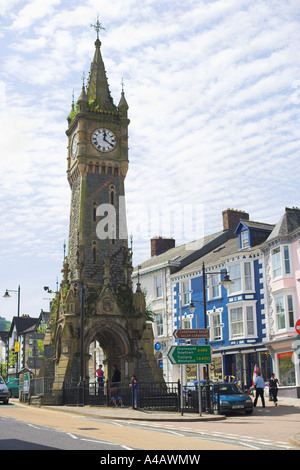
(297, 326)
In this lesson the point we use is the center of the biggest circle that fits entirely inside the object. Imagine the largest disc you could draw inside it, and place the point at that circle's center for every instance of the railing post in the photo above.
(179, 396)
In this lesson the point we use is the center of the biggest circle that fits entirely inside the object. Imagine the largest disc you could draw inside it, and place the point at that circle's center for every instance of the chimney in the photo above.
(160, 245)
(231, 218)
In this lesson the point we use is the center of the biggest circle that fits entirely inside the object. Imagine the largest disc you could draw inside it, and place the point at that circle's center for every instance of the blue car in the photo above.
(232, 398)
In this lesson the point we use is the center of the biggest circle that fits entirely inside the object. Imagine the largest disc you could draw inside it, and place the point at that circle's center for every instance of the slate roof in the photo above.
(183, 254)
(288, 223)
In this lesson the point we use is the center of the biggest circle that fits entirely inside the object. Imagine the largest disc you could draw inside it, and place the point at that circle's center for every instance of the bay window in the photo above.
(242, 320)
(242, 276)
(284, 312)
(281, 264)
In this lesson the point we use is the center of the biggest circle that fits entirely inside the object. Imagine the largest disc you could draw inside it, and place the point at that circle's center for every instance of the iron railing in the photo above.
(156, 396)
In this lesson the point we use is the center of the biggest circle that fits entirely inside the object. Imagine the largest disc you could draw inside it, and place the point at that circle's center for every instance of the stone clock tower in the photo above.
(96, 300)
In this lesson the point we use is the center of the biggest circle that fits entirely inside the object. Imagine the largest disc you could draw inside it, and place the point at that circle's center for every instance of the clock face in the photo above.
(104, 140)
(74, 145)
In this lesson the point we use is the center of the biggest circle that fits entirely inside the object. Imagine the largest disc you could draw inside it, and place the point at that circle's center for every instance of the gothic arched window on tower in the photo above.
(91, 167)
(116, 170)
(97, 168)
(109, 170)
(95, 205)
(112, 195)
(103, 169)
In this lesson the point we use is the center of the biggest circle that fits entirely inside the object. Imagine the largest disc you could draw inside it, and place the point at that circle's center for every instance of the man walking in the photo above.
(259, 385)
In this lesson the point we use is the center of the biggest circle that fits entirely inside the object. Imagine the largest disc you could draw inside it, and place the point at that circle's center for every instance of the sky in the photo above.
(213, 88)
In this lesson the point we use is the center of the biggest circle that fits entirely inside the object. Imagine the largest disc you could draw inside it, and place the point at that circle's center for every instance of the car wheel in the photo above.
(249, 412)
(10, 394)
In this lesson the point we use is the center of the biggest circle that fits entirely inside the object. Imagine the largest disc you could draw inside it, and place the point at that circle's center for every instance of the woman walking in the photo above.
(273, 387)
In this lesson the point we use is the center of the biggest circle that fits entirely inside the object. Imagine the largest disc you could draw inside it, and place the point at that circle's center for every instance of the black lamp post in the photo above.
(226, 283)
(7, 296)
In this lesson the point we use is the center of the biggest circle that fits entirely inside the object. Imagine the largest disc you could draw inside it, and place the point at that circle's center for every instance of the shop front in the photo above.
(240, 366)
(287, 368)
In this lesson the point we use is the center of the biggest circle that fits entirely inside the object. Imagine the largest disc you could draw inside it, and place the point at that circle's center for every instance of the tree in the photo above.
(4, 324)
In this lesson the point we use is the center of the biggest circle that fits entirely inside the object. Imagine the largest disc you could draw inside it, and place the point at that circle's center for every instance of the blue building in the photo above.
(236, 318)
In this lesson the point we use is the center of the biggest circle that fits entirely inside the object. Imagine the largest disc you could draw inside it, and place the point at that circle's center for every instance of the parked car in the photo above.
(232, 398)
(4, 392)
(13, 387)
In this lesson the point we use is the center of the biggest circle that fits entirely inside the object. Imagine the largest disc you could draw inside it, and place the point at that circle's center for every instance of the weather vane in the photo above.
(97, 26)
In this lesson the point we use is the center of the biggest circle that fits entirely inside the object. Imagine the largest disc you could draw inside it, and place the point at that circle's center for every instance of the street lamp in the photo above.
(7, 296)
(226, 283)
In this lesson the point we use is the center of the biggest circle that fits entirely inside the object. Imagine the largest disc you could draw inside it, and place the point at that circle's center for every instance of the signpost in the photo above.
(297, 326)
(190, 354)
(190, 333)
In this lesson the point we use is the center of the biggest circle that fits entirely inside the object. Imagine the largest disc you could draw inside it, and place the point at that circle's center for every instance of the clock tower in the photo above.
(97, 167)
(96, 301)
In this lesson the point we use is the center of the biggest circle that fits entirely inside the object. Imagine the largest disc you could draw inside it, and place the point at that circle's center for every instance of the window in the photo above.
(286, 368)
(236, 322)
(281, 264)
(186, 323)
(276, 262)
(159, 324)
(185, 293)
(242, 276)
(112, 195)
(287, 266)
(235, 276)
(242, 320)
(158, 286)
(244, 239)
(214, 286)
(215, 327)
(284, 312)
(248, 276)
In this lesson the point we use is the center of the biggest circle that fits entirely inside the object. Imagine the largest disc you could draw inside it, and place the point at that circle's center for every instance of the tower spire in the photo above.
(97, 87)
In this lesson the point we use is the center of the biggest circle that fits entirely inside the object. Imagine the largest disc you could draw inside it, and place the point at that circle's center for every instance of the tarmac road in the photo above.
(269, 428)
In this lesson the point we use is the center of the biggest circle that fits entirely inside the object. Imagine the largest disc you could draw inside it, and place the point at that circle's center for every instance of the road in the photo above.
(23, 427)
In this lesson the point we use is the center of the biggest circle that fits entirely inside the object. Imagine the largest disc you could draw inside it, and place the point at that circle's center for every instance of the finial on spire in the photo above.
(83, 79)
(122, 83)
(97, 27)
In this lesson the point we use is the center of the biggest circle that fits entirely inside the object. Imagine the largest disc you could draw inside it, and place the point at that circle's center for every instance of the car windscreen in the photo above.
(229, 389)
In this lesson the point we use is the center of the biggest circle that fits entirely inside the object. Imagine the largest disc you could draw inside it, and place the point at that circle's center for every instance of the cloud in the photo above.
(213, 94)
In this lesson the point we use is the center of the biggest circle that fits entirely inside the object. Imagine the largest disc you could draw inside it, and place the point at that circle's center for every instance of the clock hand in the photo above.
(105, 140)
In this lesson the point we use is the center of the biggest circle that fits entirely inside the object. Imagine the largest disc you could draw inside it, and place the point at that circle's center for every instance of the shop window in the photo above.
(286, 368)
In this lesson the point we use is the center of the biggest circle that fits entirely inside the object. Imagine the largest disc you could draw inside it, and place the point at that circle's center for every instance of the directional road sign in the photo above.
(190, 354)
(190, 333)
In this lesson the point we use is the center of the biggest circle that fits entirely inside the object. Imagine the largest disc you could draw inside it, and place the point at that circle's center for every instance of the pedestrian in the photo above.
(134, 383)
(115, 383)
(115, 396)
(259, 385)
(100, 379)
(116, 377)
(273, 388)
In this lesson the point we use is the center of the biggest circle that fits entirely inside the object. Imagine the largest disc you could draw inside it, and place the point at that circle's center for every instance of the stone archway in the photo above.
(115, 344)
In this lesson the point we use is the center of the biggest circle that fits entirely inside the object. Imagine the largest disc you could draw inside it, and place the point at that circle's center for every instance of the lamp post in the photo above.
(226, 283)
(7, 296)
